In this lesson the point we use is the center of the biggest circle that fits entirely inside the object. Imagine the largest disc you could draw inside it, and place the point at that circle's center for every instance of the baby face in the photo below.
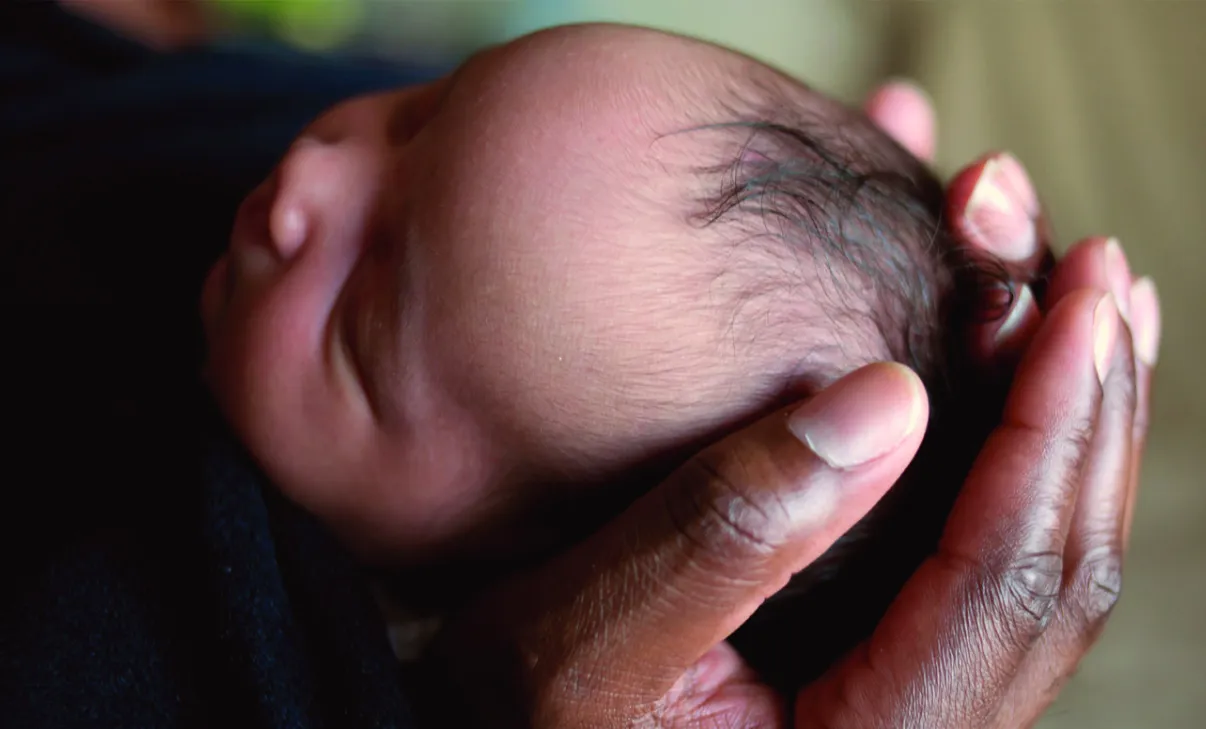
(453, 304)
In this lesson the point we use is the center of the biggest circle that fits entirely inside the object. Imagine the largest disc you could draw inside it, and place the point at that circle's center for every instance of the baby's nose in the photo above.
(323, 193)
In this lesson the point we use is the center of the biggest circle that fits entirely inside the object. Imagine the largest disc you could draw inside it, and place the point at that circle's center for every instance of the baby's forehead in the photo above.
(623, 134)
(619, 123)
(663, 82)
(804, 178)
(570, 169)
(640, 108)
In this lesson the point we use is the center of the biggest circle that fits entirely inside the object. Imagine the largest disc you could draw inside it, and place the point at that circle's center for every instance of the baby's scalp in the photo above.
(805, 243)
(823, 250)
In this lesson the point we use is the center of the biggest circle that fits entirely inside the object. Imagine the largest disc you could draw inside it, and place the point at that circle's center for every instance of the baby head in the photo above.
(456, 307)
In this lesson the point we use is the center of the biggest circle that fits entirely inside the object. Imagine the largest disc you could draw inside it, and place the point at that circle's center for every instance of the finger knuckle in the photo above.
(1031, 588)
(718, 507)
(1096, 589)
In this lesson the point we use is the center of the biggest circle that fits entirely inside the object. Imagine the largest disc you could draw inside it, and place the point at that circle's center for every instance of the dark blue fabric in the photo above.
(150, 578)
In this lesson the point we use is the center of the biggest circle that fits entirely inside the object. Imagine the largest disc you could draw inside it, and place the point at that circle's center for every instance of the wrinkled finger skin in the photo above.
(963, 631)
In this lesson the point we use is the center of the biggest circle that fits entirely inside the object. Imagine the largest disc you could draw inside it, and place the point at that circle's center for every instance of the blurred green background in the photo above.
(1103, 100)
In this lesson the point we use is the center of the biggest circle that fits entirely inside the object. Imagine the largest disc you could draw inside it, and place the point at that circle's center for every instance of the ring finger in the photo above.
(1093, 555)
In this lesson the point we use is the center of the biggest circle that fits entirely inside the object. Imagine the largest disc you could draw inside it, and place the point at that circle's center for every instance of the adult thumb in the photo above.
(604, 633)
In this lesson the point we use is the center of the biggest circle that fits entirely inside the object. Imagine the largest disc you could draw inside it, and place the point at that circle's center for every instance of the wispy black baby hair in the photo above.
(851, 224)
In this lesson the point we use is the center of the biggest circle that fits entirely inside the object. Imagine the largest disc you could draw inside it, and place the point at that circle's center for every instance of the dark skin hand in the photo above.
(628, 628)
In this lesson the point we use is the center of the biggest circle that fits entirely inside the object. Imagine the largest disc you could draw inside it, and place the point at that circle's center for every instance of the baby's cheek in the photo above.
(271, 378)
(406, 490)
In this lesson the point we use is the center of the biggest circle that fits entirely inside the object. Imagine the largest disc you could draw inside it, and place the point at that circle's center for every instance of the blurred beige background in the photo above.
(1103, 100)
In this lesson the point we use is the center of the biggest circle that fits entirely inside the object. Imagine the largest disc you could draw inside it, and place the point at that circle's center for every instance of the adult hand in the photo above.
(993, 208)
(1068, 539)
(628, 628)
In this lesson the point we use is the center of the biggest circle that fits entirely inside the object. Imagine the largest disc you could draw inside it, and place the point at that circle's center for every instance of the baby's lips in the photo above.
(993, 206)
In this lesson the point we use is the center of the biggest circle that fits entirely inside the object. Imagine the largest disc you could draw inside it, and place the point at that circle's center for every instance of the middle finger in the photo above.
(1095, 545)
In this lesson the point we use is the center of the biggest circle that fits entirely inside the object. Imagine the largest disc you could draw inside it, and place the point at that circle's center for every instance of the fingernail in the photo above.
(1145, 320)
(1105, 329)
(1118, 274)
(1019, 315)
(1002, 209)
(861, 417)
